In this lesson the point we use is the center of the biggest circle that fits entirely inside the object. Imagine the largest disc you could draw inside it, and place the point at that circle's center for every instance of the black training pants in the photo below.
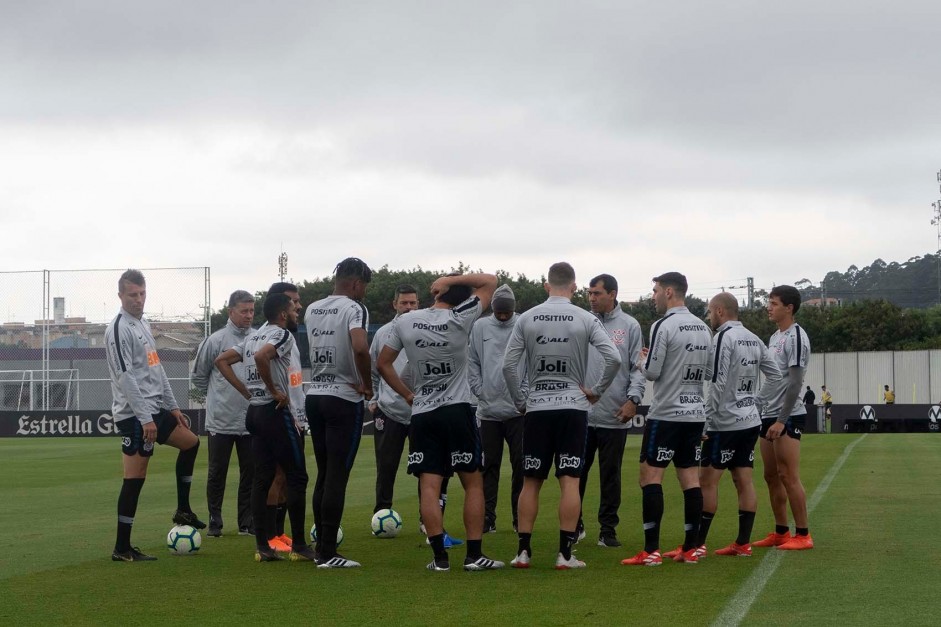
(390, 442)
(336, 426)
(220, 452)
(609, 444)
(493, 433)
(276, 442)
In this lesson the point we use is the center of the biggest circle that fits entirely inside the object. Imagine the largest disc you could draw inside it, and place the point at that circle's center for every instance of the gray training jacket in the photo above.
(392, 405)
(628, 338)
(488, 340)
(676, 363)
(139, 385)
(736, 358)
(555, 337)
(225, 407)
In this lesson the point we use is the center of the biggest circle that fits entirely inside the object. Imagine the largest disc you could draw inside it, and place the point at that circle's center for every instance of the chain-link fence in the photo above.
(52, 349)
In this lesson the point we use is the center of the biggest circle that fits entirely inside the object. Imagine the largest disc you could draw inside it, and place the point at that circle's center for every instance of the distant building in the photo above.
(822, 302)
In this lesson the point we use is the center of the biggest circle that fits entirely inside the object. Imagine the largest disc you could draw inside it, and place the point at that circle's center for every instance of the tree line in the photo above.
(862, 325)
(912, 284)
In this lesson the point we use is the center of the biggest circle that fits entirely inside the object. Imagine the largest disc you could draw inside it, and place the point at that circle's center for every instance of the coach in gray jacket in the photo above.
(499, 419)
(608, 418)
(225, 415)
(391, 413)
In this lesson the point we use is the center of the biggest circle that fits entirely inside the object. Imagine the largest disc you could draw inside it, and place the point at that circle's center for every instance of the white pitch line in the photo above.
(738, 606)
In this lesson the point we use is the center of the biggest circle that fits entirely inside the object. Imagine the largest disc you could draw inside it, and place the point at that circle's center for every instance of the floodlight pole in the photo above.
(936, 220)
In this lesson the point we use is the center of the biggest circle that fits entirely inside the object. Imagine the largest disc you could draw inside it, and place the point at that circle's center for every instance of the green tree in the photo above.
(866, 325)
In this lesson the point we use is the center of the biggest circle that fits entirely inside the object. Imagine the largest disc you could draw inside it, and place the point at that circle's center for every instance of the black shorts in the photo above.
(793, 427)
(276, 441)
(132, 433)
(554, 433)
(444, 441)
(666, 441)
(730, 449)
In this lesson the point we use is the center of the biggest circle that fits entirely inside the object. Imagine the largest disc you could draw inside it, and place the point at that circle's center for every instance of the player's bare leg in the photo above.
(527, 509)
(776, 490)
(474, 507)
(473, 483)
(569, 503)
(528, 505)
(429, 489)
(135, 466)
(747, 504)
(777, 493)
(745, 486)
(787, 453)
(709, 482)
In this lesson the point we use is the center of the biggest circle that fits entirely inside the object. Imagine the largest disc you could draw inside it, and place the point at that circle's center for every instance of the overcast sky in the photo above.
(723, 139)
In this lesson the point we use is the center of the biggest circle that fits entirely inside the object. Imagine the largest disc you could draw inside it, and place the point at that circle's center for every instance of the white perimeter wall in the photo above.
(858, 378)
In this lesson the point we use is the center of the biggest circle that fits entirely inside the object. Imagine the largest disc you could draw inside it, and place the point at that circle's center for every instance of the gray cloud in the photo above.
(591, 106)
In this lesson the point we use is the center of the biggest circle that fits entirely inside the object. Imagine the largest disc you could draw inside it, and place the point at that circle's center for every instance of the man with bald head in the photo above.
(732, 418)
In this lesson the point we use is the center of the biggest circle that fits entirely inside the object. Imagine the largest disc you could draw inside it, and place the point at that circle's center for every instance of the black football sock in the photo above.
(185, 462)
(652, 510)
(271, 521)
(745, 522)
(127, 508)
(704, 523)
(781, 529)
(524, 543)
(474, 549)
(692, 508)
(802, 531)
(437, 546)
(566, 540)
(279, 523)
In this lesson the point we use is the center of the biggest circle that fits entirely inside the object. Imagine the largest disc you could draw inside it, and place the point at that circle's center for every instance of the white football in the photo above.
(386, 523)
(183, 540)
(313, 535)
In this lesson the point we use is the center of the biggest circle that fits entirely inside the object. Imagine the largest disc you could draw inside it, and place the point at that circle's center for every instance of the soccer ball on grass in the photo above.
(183, 540)
(386, 523)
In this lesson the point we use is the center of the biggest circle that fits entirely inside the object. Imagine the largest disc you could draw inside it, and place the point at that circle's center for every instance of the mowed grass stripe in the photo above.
(738, 605)
(875, 561)
(222, 584)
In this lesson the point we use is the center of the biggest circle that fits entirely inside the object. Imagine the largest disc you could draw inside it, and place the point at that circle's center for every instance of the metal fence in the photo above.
(52, 352)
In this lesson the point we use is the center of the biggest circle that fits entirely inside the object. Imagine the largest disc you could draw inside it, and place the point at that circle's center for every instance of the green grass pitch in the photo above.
(876, 561)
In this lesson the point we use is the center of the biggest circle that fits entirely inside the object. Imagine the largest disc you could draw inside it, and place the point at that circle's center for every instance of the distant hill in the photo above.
(910, 284)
